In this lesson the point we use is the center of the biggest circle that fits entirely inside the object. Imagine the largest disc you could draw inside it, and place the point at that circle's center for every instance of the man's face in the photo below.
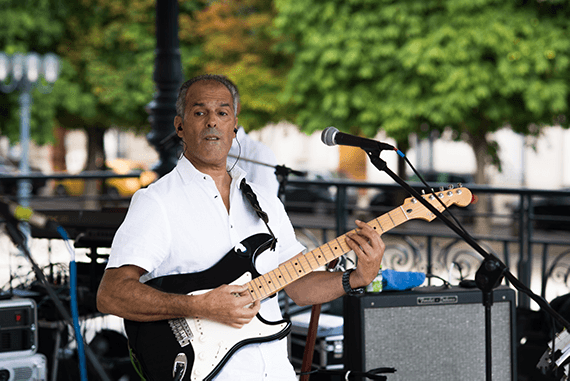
(208, 126)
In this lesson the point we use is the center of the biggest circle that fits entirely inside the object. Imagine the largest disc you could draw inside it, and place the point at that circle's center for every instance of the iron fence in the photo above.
(528, 229)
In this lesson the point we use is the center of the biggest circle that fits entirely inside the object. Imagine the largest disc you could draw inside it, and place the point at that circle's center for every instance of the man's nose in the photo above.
(212, 120)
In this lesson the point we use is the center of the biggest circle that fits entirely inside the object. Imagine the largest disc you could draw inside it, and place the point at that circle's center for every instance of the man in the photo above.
(190, 218)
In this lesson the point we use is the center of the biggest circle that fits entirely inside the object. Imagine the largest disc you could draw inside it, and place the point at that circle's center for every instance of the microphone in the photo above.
(12, 210)
(332, 136)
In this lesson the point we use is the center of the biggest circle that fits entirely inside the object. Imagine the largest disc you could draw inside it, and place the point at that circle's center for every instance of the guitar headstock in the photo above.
(450, 196)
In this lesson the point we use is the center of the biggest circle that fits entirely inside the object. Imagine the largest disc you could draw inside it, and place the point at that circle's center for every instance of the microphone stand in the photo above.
(490, 273)
(19, 241)
(281, 171)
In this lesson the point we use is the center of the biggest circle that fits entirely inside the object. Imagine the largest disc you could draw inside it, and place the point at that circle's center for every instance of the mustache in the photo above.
(211, 131)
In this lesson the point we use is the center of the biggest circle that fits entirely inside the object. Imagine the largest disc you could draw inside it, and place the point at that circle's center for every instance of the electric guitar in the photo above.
(199, 348)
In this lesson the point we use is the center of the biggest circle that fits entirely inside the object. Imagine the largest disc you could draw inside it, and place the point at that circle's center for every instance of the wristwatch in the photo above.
(346, 284)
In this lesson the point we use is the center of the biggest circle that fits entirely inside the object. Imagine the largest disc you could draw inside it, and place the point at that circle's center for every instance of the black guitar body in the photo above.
(154, 343)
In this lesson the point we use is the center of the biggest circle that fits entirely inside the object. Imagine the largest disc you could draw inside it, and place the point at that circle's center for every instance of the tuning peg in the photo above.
(423, 191)
(441, 188)
(459, 185)
(450, 186)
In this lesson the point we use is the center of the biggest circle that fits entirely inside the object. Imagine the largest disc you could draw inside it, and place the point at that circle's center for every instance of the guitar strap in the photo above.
(252, 198)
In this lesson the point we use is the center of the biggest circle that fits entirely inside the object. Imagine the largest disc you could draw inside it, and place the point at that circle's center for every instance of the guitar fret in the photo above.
(267, 286)
(391, 219)
(324, 255)
(291, 270)
(385, 221)
(375, 223)
(296, 265)
(304, 264)
(274, 280)
(291, 279)
(306, 261)
(321, 258)
(336, 249)
(260, 286)
(254, 290)
(279, 277)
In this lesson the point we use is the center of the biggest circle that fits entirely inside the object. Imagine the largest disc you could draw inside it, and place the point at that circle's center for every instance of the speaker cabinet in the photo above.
(18, 328)
(25, 368)
(431, 334)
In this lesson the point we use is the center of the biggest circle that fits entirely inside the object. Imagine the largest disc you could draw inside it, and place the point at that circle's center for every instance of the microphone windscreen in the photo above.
(328, 136)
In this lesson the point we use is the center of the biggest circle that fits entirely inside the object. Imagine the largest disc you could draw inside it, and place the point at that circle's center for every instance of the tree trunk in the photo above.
(482, 222)
(95, 162)
(58, 163)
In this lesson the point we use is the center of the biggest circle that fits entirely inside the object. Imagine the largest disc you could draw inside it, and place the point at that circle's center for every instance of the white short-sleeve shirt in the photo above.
(179, 225)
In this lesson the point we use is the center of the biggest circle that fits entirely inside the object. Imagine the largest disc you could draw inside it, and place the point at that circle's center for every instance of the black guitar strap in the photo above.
(252, 198)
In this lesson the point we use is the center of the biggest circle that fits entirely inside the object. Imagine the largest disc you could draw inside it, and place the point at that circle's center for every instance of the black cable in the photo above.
(372, 374)
(446, 284)
(238, 155)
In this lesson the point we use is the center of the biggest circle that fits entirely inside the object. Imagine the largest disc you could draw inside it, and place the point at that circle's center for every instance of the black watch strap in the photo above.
(346, 284)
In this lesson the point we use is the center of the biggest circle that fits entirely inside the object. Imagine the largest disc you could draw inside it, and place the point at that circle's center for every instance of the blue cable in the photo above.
(74, 307)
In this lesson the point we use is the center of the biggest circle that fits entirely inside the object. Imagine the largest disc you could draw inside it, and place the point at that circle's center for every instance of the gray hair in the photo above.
(181, 100)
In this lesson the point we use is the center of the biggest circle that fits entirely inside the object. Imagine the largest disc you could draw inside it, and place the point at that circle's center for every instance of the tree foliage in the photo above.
(422, 65)
(27, 26)
(236, 38)
(106, 49)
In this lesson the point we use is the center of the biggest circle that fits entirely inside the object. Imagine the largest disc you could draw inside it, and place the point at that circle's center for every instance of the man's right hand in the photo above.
(228, 304)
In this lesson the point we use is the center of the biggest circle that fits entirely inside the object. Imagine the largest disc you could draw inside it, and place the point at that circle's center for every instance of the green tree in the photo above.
(419, 66)
(27, 26)
(108, 53)
(107, 57)
(236, 38)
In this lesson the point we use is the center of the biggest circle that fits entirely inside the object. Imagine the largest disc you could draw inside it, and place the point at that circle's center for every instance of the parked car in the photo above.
(308, 199)
(116, 187)
(317, 199)
(10, 186)
(550, 213)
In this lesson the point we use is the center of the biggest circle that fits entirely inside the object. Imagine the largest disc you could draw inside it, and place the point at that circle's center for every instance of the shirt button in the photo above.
(231, 226)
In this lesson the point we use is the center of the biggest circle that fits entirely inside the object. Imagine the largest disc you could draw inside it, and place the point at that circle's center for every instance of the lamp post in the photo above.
(22, 73)
(168, 78)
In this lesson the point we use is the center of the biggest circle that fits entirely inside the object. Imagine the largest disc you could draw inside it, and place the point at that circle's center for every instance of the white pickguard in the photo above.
(211, 341)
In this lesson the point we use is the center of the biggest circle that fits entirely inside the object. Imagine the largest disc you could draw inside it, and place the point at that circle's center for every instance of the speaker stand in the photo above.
(488, 276)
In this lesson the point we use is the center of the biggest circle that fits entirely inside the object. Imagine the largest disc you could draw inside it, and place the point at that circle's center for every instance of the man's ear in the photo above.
(178, 125)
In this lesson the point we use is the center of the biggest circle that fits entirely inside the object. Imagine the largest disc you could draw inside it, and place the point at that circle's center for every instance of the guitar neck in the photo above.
(288, 272)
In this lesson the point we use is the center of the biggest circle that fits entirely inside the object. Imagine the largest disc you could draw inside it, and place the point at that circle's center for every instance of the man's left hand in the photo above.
(369, 248)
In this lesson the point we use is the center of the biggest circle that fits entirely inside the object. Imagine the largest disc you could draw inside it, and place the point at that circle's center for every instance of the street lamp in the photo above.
(22, 72)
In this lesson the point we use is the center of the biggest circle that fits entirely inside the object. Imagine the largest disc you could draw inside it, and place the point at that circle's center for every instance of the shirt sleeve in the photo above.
(144, 237)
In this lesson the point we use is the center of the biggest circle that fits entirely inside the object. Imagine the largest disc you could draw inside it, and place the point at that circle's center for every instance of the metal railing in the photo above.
(533, 244)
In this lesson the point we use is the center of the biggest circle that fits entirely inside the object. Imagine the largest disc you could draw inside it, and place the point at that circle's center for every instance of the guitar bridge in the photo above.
(181, 331)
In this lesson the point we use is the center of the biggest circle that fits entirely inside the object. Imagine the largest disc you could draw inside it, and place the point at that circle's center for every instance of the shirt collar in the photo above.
(189, 173)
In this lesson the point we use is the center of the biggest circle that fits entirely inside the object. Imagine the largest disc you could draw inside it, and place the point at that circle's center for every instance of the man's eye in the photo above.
(223, 113)
(198, 113)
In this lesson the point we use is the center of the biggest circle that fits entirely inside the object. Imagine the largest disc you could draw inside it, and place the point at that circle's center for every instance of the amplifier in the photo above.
(18, 328)
(431, 333)
(30, 368)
